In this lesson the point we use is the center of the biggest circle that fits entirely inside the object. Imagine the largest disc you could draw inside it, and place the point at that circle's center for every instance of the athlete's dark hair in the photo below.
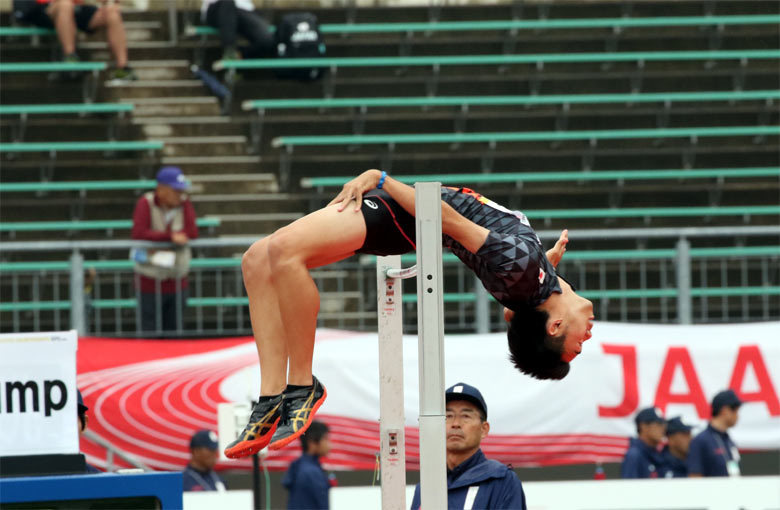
(531, 349)
(313, 434)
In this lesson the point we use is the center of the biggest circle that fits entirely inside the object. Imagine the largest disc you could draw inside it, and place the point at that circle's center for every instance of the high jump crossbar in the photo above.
(430, 327)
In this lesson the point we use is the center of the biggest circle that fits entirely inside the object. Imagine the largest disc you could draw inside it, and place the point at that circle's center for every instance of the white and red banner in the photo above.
(148, 396)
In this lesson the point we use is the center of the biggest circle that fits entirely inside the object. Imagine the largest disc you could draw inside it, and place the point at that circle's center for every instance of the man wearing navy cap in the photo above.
(473, 481)
(712, 452)
(199, 475)
(675, 453)
(643, 459)
(164, 215)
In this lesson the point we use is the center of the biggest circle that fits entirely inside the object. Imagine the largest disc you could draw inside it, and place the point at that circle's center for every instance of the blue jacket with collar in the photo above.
(496, 486)
(641, 461)
(308, 484)
(675, 467)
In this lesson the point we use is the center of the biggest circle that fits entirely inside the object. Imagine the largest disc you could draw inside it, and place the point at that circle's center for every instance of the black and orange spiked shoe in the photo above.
(300, 405)
(260, 429)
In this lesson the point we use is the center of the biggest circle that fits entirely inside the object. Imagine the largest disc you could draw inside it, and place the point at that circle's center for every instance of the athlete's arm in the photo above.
(453, 224)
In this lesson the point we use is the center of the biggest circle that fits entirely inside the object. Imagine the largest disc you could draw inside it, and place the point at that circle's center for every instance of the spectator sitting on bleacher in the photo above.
(238, 17)
(66, 16)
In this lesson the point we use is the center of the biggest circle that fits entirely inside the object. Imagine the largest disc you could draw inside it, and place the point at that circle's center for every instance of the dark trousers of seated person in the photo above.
(232, 22)
(160, 312)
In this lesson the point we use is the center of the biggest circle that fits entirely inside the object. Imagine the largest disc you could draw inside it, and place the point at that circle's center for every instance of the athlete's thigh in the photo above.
(324, 236)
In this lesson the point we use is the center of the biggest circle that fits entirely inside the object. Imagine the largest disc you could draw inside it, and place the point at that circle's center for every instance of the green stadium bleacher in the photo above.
(65, 108)
(133, 145)
(594, 175)
(79, 225)
(517, 24)
(525, 136)
(471, 60)
(48, 67)
(20, 187)
(561, 99)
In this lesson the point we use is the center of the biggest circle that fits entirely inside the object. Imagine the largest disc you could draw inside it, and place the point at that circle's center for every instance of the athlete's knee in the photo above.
(283, 249)
(254, 263)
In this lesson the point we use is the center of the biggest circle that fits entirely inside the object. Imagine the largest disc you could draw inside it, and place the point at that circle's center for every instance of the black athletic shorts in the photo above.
(390, 230)
(36, 15)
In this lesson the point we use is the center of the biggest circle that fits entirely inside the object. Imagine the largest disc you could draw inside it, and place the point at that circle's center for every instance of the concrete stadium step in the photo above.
(195, 105)
(203, 145)
(231, 164)
(153, 88)
(243, 182)
(155, 127)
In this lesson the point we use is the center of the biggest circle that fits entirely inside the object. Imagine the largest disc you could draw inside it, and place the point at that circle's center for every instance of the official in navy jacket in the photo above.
(305, 479)
(712, 451)
(473, 481)
(675, 454)
(643, 458)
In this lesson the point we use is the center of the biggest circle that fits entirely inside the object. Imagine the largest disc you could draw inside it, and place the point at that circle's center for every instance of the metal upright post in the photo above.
(684, 300)
(77, 319)
(482, 308)
(430, 328)
(391, 385)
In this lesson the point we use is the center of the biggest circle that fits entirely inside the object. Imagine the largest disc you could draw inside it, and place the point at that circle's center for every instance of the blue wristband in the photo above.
(382, 180)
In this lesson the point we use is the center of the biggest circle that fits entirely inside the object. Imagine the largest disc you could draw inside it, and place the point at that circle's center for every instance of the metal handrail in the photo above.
(217, 242)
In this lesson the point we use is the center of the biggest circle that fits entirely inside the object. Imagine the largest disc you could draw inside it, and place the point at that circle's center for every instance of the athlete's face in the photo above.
(577, 321)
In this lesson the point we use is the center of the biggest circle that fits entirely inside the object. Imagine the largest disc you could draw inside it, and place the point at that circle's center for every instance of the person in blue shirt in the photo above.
(83, 420)
(473, 481)
(643, 459)
(675, 453)
(199, 475)
(712, 451)
(305, 479)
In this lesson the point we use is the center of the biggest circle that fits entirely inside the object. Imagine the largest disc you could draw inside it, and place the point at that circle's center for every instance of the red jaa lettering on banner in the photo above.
(751, 355)
(630, 401)
(680, 358)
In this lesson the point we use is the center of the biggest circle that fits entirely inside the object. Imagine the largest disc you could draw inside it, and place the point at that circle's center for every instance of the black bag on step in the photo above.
(298, 36)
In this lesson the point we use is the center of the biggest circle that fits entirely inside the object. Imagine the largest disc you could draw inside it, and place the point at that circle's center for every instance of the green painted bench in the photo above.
(48, 67)
(65, 108)
(464, 102)
(25, 110)
(54, 147)
(589, 176)
(562, 99)
(541, 24)
(468, 60)
(91, 72)
(525, 136)
(16, 187)
(25, 31)
(80, 225)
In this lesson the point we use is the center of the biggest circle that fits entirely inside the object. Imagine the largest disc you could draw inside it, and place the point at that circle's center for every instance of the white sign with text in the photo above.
(38, 394)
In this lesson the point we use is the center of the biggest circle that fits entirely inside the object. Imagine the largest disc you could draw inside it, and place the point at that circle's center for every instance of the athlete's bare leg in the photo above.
(283, 298)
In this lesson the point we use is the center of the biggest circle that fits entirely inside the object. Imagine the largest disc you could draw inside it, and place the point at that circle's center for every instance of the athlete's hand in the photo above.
(555, 254)
(354, 189)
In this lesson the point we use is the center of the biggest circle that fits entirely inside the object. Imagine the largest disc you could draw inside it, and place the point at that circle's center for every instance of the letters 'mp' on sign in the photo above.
(38, 399)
